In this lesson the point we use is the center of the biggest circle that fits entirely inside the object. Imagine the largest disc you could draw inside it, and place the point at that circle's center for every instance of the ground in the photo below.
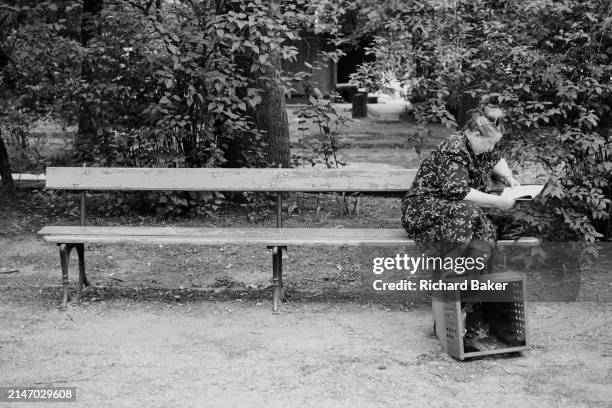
(313, 354)
(192, 326)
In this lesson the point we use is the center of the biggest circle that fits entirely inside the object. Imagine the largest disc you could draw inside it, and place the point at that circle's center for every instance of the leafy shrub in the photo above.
(327, 121)
(165, 204)
(547, 63)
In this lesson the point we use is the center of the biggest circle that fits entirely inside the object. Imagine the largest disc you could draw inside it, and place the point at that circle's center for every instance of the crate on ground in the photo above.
(503, 312)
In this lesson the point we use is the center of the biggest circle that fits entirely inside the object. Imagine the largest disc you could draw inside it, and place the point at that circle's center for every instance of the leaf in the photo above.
(255, 100)
(164, 100)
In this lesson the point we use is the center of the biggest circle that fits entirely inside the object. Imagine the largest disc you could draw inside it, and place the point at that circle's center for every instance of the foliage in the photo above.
(37, 67)
(169, 84)
(177, 90)
(322, 114)
(328, 122)
(547, 63)
(36, 73)
(166, 204)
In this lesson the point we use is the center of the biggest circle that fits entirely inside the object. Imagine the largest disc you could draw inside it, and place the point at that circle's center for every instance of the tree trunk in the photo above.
(271, 114)
(271, 117)
(8, 185)
(88, 129)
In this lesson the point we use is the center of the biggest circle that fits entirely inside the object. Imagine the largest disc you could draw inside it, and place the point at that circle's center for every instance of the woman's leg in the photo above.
(460, 222)
(450, 229)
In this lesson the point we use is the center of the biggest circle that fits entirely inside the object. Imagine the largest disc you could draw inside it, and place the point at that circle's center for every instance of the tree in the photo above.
(190, 84)
(8, 185)
(270, 115)
(36, 69)
(88, 128)
(271, 119)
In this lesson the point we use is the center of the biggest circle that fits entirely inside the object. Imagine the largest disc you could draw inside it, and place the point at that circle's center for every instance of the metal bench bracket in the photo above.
(64, 250)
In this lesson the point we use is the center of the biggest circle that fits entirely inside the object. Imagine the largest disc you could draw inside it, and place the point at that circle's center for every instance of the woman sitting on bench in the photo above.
(443, 211)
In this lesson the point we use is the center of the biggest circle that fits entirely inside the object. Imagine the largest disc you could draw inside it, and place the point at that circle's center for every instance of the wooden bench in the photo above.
(256, 180)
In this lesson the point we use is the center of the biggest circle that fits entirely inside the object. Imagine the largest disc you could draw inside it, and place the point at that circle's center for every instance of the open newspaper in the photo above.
(524, 192)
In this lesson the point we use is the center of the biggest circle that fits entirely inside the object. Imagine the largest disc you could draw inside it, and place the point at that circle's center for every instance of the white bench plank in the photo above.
(240, 236)
(162, 179)
(27, 177)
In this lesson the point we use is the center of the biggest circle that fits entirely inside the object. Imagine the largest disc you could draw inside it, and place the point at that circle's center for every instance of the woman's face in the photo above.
(490, 132)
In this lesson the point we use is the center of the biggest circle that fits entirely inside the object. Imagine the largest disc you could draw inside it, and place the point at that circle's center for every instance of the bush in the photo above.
(547, 63)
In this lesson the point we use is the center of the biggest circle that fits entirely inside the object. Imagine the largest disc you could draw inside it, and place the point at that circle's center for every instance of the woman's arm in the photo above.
(489, 200)
(502, 170)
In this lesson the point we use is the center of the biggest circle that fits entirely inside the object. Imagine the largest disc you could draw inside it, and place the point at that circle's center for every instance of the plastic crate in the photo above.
(449, 322)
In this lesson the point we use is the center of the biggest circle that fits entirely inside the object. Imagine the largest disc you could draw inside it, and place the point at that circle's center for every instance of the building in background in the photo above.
(329, 75)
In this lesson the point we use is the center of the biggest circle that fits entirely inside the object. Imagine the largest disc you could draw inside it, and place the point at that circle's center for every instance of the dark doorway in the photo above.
(355, 56)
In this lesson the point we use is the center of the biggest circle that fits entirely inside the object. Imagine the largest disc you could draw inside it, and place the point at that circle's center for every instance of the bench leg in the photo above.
(277, 276)
(64, 250)
(83, 281)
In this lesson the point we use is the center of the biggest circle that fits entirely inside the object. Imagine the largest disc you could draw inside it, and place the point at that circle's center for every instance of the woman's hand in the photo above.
(502, 170)
(489, 200)
(504, 203)
(510, 181)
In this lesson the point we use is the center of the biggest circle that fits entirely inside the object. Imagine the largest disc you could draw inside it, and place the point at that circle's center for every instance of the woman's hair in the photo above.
(482, 120)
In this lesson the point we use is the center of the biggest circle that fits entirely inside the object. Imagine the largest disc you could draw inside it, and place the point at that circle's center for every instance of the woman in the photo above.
(444, 208)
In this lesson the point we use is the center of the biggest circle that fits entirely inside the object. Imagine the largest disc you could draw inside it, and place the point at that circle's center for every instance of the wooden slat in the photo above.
(305, 180)
(27, 177)
(239, 236)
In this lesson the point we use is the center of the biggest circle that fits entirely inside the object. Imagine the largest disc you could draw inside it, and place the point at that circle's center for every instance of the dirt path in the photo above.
(235, 353)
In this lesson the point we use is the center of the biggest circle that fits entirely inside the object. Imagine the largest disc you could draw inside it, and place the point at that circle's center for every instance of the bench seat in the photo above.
(240, 236)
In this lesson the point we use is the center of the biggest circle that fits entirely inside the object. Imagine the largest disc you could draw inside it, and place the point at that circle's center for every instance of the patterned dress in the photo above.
(433, 211)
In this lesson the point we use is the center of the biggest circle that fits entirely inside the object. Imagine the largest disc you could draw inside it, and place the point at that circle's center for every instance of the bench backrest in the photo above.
(272, 180)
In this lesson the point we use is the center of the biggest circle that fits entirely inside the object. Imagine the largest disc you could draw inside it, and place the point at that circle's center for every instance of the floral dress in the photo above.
(434, 212)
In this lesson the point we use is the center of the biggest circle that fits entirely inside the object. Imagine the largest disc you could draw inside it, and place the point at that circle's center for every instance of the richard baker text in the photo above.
(428, 284)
